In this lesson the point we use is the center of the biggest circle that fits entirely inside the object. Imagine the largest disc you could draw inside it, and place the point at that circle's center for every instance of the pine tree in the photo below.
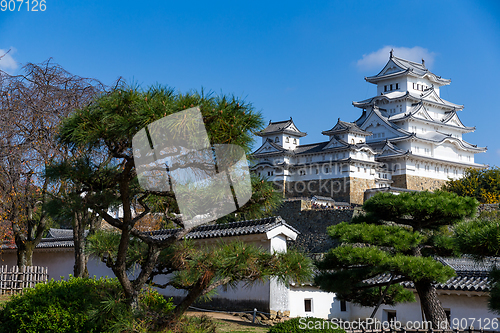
(481, 239)
(393, 242)
(106, 128)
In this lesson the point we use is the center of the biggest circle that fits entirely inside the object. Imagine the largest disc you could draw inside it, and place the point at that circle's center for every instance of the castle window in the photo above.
(343, 306)
(352, 141)
(308, 305)
(294, 141)
(317, 171)
(418, 86)
(326, 170)
(385, 88)
(397, 86)
(277, 139)
(287, 140)
(413, 85)
(391, 87)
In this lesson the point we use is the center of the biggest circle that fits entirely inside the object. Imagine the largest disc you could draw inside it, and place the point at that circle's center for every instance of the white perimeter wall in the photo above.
(460, 306)
(60, 263)
(323, 304)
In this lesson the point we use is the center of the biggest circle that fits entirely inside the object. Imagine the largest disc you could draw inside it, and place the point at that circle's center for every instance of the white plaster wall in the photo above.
(258, 291)
(323, 303)
(446, 151)
(278, 243)
(60, 263)
(460, 306)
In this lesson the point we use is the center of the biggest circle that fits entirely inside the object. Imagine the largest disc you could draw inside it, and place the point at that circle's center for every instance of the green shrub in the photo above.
(305, 325)
(80, 305)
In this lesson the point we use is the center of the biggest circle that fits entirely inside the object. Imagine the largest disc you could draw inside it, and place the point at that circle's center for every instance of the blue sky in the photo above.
(302, 59)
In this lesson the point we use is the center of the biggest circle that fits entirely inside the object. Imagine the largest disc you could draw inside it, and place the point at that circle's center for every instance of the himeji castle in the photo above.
(407, 138)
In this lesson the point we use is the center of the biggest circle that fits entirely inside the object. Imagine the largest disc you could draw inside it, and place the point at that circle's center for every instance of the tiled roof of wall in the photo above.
(63, 238)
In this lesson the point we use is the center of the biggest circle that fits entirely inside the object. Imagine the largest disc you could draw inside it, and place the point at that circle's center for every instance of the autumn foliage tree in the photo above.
(31, 106)
(482, 184)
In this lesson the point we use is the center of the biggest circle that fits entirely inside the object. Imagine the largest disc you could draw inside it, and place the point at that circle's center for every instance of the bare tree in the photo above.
(31, 106)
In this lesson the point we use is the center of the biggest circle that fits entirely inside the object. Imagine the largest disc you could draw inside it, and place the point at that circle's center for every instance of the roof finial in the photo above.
(423, 62)
(392, 50)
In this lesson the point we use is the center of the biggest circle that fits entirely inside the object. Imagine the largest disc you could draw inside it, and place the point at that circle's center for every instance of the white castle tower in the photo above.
(407, 137)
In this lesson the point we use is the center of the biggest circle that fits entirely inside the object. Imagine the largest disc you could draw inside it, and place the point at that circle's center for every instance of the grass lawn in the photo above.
(225, 325)
(3, 299)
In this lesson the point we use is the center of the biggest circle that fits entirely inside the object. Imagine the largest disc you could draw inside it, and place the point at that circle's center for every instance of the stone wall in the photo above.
(312, 224)
(337, 188)
(358, 186)
(347, 189)
(417, 183)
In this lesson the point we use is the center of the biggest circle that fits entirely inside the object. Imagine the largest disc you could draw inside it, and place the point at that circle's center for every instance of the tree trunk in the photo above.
(80, 268)
(431, 305)
(190, 298)
(25, 253)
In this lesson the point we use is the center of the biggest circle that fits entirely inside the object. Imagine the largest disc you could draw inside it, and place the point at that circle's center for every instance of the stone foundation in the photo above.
(358, 186)
(417, 183)
(347, 189)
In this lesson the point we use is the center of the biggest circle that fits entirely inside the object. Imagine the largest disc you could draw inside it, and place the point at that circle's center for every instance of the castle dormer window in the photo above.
(277, 139)
(294, 141)
(287, 140)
